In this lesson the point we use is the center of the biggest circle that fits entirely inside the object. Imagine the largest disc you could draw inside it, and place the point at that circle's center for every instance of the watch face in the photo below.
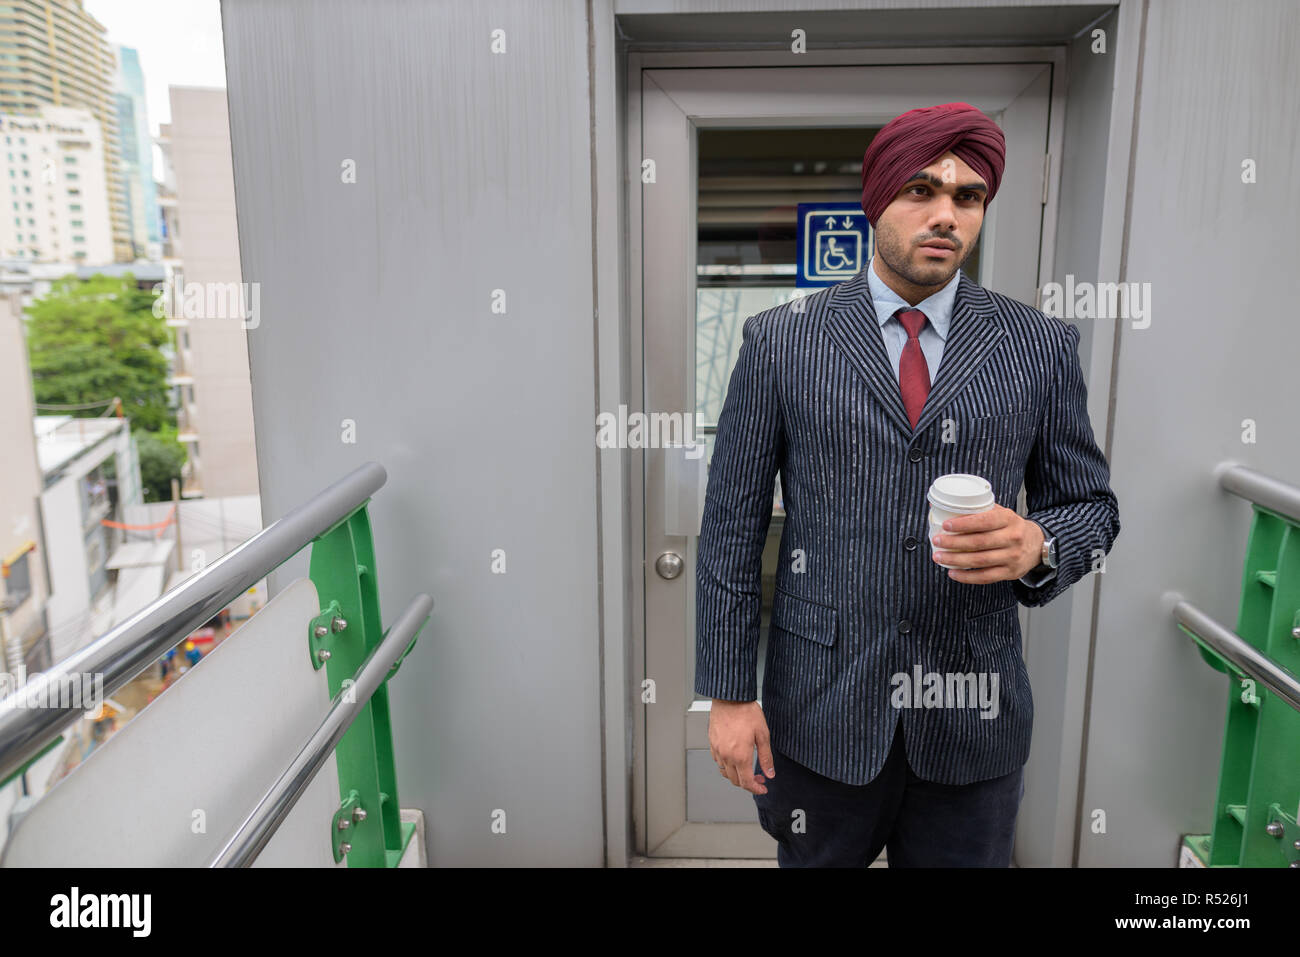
(1051, 552)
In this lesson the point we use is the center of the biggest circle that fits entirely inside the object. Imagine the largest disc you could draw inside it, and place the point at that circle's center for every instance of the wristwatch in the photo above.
(1049, 549)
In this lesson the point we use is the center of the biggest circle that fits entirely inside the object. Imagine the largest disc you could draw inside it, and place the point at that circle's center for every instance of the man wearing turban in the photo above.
(896, 709)
(952, 151)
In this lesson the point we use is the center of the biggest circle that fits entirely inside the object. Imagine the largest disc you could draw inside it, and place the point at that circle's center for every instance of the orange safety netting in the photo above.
(171, 517)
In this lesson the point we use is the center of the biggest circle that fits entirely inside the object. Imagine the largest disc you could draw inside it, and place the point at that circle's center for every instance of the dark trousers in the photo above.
(819, 822)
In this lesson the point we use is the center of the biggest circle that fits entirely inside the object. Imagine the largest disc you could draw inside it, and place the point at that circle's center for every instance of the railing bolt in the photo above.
(1275, 829)
(339, 624)
(321, 631)
(1295, 632)
(345, 847)
(323, 654)
(358, 814)
(344, 824)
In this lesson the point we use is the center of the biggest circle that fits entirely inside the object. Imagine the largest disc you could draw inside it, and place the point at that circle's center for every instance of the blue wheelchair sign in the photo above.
(833, 241)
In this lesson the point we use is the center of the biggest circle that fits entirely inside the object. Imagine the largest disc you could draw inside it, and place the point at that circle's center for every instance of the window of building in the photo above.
(70, 175)
(17, 580)
(78, 239)
(77, 222)
(74, 207)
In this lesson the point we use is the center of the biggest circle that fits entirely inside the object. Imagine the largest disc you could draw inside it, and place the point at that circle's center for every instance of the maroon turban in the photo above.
(917, 138)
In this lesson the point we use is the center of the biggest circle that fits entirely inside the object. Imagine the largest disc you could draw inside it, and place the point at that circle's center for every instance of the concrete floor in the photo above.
(712, 862)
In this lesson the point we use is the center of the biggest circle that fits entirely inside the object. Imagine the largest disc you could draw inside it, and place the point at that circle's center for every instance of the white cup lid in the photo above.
(960, 490)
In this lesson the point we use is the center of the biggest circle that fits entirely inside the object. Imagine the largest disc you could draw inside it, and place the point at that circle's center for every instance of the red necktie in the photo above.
(913, 373)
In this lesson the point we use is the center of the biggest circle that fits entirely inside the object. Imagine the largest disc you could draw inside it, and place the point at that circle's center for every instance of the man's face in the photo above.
(943, 205)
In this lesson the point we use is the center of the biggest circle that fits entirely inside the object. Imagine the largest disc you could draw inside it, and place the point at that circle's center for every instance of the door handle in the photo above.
(669, 565)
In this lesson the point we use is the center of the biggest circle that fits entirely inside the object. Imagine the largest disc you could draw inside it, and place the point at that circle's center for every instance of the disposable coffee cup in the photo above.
(952, 496)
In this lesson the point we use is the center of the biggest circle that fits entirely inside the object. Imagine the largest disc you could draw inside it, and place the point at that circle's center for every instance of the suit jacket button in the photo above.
(910, 543)
(915, 454)
(904, 626)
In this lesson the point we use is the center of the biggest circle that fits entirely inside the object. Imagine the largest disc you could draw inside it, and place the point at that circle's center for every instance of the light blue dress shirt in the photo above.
(933, 335)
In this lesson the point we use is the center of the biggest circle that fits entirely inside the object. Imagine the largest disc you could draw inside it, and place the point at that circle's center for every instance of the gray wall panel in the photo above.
(1218, 87)
(1056, 653)
(472, 174)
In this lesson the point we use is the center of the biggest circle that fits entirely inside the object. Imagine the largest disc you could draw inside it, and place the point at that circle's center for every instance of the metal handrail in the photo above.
(126, 650)
(260, 825)
(1233, 648)
(1264, 490)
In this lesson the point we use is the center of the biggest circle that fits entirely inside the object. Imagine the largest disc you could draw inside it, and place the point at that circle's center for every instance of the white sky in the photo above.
(179, 42)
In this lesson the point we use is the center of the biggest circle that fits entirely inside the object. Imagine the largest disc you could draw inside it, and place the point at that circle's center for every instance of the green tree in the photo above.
(161, 458)
(93, 339)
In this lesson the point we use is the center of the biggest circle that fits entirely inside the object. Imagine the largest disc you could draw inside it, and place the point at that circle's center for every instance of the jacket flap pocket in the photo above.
(804, 617)
(992, 631)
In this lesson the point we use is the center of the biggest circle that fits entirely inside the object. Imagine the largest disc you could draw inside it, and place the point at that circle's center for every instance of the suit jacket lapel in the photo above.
(972, 336)
(852, 324)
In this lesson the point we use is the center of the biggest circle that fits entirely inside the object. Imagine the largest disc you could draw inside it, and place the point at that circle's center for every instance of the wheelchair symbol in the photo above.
(840, 261)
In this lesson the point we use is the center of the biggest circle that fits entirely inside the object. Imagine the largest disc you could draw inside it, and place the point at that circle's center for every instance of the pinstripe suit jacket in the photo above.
(858, 598)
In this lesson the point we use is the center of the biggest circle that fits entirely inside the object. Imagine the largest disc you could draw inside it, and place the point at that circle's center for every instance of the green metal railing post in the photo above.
(348, 628)
(1259, 777)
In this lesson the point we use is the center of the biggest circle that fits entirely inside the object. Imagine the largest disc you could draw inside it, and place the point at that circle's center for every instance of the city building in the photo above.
(137, 156)
(53, 204)
(208, 304)
(56, 54)
(24, 579)
(89, 473)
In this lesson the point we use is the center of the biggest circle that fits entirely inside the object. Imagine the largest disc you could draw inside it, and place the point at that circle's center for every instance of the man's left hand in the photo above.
(991, 546)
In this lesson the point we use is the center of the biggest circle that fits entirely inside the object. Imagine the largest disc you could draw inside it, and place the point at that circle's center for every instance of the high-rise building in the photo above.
(52, 188)
(137, 155)
(52, 52)
(210, 372)
(24, 568)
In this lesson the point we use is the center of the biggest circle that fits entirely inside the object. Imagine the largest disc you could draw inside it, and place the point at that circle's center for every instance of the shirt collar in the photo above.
(937, 307)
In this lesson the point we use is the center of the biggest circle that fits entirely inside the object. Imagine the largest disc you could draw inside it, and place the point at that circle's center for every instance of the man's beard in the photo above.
(894, 253)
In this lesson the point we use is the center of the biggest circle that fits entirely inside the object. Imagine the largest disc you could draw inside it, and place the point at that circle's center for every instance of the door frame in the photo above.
(636, 64)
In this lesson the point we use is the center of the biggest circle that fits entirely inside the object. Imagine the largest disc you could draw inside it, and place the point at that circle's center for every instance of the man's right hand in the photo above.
(735, 729)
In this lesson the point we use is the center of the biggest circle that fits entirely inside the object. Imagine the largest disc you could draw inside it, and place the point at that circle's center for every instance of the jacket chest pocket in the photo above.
(998, 446)
(1004, 424)
(804, 617)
